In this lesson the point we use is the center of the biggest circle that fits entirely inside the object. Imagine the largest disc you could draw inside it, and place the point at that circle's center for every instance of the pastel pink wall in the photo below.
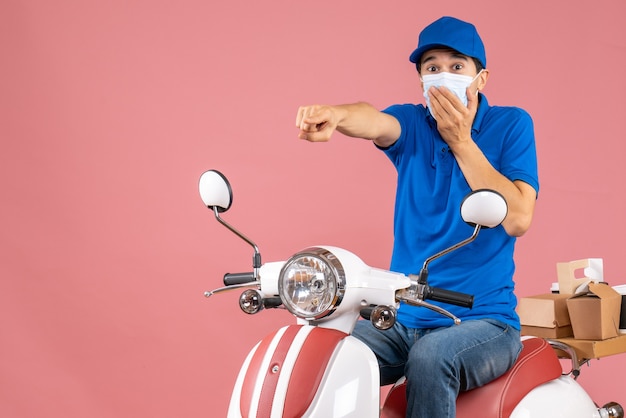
(111, 110)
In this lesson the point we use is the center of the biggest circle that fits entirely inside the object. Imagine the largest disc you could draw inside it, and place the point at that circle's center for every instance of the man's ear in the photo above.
(419, 75)
(482, 79)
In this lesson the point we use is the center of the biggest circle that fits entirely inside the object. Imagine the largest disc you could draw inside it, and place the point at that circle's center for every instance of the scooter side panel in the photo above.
(560, 398)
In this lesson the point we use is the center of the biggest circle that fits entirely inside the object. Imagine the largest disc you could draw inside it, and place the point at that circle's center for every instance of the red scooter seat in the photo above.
(536, 364)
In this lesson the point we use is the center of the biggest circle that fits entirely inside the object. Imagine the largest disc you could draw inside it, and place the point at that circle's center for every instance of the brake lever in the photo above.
(414, 295)
(438, 309)
(210, 293)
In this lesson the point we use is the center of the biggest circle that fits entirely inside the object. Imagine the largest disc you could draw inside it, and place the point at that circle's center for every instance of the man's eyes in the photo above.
(434, 69)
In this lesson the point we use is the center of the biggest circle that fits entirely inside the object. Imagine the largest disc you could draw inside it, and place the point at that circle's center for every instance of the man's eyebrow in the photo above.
(456, 55)
(461, 56)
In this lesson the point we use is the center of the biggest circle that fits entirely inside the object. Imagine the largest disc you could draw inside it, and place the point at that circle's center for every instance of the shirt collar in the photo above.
(483, 107)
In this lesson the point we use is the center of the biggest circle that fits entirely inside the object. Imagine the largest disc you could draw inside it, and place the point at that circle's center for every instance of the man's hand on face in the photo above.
(454, 120)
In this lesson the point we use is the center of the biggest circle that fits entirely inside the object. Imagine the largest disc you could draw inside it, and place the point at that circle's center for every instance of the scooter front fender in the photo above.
(306, 371)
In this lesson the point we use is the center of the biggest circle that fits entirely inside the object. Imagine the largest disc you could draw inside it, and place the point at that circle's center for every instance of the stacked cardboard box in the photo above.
(588, 320)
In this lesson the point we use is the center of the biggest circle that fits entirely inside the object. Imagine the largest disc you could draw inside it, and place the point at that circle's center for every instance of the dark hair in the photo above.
(477, 63)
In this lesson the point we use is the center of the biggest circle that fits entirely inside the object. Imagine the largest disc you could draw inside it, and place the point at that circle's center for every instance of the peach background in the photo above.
(111, 110)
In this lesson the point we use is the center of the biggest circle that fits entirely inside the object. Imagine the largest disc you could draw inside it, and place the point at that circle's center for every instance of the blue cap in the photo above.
(449, 32)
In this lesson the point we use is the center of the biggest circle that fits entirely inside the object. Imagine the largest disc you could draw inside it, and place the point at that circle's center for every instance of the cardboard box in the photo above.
(589, 349)
(595, 315)
(621, 289)
(545, 316)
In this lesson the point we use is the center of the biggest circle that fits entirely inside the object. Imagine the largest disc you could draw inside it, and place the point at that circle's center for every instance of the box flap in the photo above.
(599, 290)
(603, 291)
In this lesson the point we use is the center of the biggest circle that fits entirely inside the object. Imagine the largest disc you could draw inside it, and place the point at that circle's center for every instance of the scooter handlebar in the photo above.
(231, 279)
(449, 296)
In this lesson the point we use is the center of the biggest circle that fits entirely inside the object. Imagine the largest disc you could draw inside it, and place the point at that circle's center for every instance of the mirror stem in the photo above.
(423, 276)
(256, 259)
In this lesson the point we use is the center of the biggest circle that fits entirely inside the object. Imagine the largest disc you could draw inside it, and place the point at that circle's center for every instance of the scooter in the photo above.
(315, 368)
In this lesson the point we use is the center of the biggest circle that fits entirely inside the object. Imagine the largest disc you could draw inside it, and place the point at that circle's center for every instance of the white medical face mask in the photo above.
(456, 83)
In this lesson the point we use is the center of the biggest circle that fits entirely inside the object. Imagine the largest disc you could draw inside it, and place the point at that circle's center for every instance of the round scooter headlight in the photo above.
(312, 283)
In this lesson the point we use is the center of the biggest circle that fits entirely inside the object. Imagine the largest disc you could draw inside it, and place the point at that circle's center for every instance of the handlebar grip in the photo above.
(448, 296)
(231, 279)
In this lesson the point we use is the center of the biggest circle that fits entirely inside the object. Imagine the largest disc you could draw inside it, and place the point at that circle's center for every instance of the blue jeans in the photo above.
(439, 363)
